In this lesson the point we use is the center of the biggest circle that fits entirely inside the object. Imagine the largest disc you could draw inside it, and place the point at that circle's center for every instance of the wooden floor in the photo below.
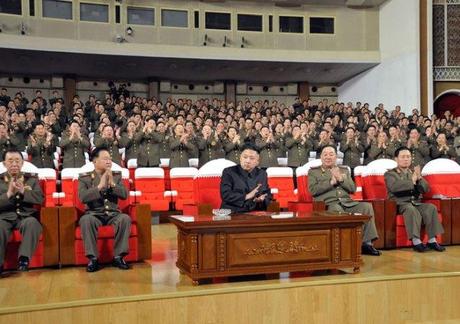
(402, 277)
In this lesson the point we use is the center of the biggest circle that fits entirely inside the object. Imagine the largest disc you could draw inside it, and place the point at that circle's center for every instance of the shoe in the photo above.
(435, 246)
(370, 250)
(120, 263)
(419, 247)
(93, 266)
(23, 263)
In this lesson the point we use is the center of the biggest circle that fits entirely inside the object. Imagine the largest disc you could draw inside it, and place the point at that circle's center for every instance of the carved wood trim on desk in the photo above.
(246, 245)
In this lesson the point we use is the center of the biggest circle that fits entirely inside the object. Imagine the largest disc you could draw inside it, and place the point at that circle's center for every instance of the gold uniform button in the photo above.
(106, 207)
(18, 211)
(17, 196)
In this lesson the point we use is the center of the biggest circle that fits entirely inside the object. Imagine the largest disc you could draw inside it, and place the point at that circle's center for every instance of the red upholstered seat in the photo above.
(182, 186)
(304, 198)
(280, 179)
(151, 183)
(358, 171)
(68, 175)
(207, 186)
(47, 179)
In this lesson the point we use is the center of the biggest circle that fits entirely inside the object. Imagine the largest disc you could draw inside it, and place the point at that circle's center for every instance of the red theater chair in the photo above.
(151, 183)
(182, 189)
(207, 187)
(358, 172)
(47, 179)
(281, 183)
(304, 199)
(374, 190)
(67, 197)
(443, 175)
(72, 250)
(47, 252)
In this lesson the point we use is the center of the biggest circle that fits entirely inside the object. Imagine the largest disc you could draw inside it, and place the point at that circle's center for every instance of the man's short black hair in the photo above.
(11, 151)
(332, 146)
(250, 146)
(400, 149)
(97, 151)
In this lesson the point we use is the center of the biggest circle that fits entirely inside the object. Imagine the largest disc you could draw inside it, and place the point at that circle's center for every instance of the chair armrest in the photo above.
(49, 218)
(319, 206)
(67, 224)
(134, 197)
(274, 191)
(144, 230)
(391, 210)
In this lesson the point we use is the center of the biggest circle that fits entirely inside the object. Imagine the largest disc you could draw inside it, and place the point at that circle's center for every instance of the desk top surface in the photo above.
(267, 218)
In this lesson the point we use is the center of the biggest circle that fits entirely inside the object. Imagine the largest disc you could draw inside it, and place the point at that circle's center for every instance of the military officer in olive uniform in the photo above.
(110, 142)
(299, 147)
(181, 148)
(381, 149)
(210, 146)
(165, 150)
(19, 192)
(130, 141)
(41, 147)
(100, 191)
(352, 149)
(74, 146)
(268, 148)
(420, 150)
(333, 185)
(7, 141)
(149, 153)
(232, 145)
(406, 187)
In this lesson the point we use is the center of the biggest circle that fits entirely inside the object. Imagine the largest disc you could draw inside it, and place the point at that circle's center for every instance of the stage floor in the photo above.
(160, 279)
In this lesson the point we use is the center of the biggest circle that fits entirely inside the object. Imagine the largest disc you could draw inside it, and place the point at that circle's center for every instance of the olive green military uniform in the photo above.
(420, 153)
(41, 153)
(210, 149)
(376, 152)
(7, 144)
(298, 151)
(180, 153)
(268, 156)
(337, 197)
(248, 136)
(149, 153)
(437, 153)
(20, 132)
(102, 209)
(74, 151)
(232, 151)
(318, 147)
(18, 212)
(165, 150)
(110, 145)
(282, 149)
(367, 147)
(407, 195)
(131, 145)
(352, 153)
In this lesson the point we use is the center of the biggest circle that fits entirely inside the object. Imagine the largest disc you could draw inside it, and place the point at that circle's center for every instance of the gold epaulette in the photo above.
(86, 174)
(316, 167)
(30, 175)
(116, 172)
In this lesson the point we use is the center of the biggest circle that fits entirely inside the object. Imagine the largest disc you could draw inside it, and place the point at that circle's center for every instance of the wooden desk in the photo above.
(256, 243)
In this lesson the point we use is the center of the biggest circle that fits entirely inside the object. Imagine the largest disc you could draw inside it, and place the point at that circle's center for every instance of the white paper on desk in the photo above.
(282, 215)
(439, 196)
(184, 218)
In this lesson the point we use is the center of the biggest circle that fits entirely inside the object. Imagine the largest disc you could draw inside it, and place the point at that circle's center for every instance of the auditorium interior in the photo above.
(167, 98)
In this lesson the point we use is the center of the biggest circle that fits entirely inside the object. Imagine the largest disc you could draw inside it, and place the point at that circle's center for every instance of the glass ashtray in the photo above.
(221, 212)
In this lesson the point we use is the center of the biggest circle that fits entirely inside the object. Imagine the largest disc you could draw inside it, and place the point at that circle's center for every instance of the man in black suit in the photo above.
(244, 187)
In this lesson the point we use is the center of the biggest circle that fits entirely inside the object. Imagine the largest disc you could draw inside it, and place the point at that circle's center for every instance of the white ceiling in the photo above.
(36, 63)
